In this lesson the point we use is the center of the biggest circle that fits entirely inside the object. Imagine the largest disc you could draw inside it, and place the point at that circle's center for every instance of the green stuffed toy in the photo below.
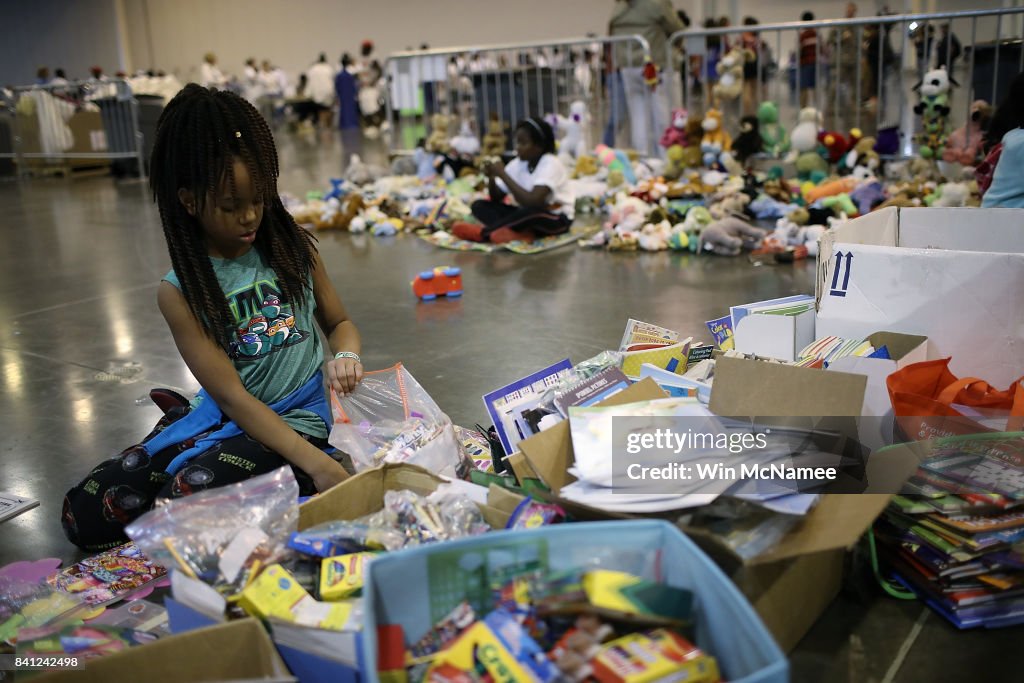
(774, 138)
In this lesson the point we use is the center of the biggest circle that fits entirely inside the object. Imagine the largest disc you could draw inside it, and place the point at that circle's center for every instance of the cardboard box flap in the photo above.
(836, 523)
(550, 453)
(750, 388)
(962, 229)
(899, 345)
(362, 494)
(234, 651)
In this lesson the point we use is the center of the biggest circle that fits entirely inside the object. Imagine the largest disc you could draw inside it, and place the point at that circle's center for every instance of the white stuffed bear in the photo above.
(574, 142)
(465, 143)
(804, 137)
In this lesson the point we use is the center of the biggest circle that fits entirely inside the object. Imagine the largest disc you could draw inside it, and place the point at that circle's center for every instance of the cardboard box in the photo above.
(363, 495)
(953, 275)
(792, 584)
(774, 336)
(877, 430)
(234, 651)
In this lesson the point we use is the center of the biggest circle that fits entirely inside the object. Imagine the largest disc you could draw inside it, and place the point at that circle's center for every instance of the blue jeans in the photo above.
(617, 108)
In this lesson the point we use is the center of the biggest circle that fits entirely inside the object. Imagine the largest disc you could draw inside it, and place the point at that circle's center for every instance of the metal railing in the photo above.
(890, 54)
(514, 80)
(55, 123)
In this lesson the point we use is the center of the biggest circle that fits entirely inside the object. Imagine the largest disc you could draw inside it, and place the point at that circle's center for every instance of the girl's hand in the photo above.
(343, 374)
(328, 474)
(494, 168)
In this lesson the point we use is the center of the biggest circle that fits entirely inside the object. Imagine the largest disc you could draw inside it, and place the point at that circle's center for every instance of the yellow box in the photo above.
(656, 657)
(276, 594)
(342, 576)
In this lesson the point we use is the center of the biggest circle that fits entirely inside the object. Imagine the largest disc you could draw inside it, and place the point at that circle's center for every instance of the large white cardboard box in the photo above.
(955, 276)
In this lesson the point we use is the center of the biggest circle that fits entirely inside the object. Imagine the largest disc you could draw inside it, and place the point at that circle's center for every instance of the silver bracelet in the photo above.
(348, 354)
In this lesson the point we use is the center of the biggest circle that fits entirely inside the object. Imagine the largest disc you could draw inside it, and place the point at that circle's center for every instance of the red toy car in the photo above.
(441, 281)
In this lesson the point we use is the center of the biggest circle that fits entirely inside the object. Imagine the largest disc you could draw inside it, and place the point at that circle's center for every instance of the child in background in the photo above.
(245, 288)
(1004, 186)
(537, 183)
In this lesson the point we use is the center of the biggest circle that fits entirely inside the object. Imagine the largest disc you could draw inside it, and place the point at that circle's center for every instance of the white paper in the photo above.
(197, 595)
(238, 551)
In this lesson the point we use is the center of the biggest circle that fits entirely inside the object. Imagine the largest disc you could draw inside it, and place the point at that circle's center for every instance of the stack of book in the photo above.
(956, 535)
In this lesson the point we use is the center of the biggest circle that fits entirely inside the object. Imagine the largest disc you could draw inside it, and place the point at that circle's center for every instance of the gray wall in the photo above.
(69, 34)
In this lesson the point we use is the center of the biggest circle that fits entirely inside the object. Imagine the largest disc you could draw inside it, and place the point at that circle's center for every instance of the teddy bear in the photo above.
(861, 154)
(804, 140)
(748, 142)
(338, 213)
(965, 143)
(675, 133)
(573, 143)
(730, 75)
(361, 173)
(933, 109)
(466, 144)
(715, 139)
(729, 236)
(437, 141)
(655, 236)
(732, 205)
(774, 138)
(692, 156)
(674, 162)
(949, 194)
(834, 144)
(495, 140)
(586, 166)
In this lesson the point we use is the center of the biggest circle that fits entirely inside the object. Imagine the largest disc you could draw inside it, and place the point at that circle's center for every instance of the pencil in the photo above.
(177, 558)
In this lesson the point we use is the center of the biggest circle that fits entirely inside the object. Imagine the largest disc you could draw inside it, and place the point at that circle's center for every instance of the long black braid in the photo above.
(199, 135)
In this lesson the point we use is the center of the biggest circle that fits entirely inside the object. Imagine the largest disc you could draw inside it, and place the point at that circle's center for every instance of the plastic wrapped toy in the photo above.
(391, 418)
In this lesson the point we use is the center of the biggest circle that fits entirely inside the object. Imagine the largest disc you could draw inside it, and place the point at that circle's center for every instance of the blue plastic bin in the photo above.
(414, 588)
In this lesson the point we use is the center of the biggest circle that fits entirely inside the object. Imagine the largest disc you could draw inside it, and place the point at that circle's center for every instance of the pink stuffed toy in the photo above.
(675, 134)
(964, 144)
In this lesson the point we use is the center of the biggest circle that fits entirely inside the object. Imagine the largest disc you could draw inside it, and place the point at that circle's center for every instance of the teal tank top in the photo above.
(275, 346)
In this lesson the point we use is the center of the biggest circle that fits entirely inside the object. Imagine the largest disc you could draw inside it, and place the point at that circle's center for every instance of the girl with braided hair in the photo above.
(245, 288)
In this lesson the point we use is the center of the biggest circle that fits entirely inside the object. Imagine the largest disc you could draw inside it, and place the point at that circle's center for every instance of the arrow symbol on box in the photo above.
(836, 291)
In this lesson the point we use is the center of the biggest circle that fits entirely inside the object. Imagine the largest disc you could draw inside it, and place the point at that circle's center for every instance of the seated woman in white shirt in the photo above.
(530, 197)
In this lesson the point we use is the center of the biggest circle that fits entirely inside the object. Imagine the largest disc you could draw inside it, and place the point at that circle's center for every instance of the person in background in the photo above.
(369, 73)
(320, 89)
(847, 58)
(1001, 176)
(877, 41)
(655, 20)
(251, 86)
(209, 75)
(345, 88)
(947, 48)
(713, 53)
(59, 78)
(245, 293)
(752, 46)
(42, 75)
(542, 202)
(807, 76)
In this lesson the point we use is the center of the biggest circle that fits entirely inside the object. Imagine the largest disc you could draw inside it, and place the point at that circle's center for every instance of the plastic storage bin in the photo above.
(415, 588)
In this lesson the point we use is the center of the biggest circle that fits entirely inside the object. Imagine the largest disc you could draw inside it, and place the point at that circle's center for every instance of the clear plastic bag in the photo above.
(217, 535)
(407, 519)
(390, 418)
(24, 604)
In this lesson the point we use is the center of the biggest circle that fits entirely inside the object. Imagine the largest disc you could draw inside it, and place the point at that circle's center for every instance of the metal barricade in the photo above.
(516, 80)
(864, 70)
(56, 123)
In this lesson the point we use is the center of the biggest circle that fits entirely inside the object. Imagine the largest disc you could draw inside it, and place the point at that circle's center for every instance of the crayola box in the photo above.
(275, 593)
(658, 656)
(501, 647)
(342, 576)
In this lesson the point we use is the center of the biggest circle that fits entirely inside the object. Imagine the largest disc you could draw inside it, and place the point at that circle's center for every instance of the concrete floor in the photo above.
(83, 343)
